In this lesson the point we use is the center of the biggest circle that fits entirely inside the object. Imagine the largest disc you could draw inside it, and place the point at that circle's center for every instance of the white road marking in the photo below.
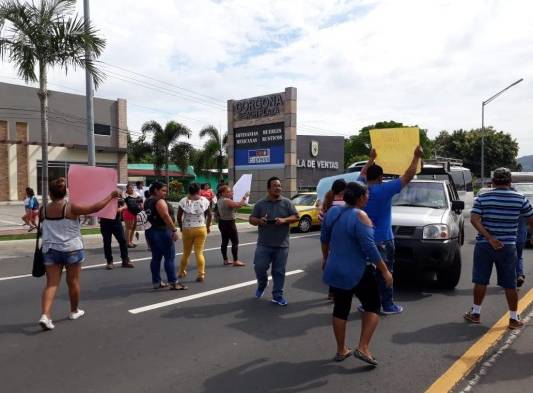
(148, 258)
(202, 294)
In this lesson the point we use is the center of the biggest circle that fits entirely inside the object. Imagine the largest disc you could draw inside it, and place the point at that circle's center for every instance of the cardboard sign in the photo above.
(88, 185)
(243, 185)
(395, 148)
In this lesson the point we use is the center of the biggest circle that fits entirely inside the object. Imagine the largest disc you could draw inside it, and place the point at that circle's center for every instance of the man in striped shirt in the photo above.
(496, 215)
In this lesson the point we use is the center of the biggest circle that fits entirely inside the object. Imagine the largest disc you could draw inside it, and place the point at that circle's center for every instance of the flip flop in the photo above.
(339, 358)
(361, 356)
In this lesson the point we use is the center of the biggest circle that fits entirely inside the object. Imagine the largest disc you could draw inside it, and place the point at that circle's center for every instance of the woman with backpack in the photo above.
(129, 215)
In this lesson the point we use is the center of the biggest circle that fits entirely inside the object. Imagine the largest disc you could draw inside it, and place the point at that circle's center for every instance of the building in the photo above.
(20, 137)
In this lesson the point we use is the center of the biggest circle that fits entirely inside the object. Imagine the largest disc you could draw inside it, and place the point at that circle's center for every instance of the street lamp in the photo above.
(483, 103)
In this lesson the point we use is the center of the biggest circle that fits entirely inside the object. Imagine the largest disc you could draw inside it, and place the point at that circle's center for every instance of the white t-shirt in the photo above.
(193, 212)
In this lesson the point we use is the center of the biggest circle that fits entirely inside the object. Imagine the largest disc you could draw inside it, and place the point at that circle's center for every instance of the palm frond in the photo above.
(211, 132)
(180, 154)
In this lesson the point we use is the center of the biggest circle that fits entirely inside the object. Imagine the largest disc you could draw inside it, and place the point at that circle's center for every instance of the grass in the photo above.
(245, 210)
(23, 236)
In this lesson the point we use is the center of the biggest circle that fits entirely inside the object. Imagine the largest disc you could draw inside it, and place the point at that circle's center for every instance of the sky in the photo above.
(354, 63)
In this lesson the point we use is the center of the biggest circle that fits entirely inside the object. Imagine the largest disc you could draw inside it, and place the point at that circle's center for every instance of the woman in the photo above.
(194, 220)
(161, 237)
(31, 206)
(63, 247)
(333, 197)
(226, 224)
(129, 215)
(350, 258)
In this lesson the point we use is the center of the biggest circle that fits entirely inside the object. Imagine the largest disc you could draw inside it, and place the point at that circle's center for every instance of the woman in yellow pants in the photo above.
(194, 220)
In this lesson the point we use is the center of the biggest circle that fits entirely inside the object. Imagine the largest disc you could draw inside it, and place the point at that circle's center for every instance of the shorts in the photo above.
(128, 216)
(505, 260)
(54, 257)
(366, 290)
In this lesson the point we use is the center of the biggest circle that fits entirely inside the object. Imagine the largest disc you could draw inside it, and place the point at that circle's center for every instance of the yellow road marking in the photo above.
(468, 360)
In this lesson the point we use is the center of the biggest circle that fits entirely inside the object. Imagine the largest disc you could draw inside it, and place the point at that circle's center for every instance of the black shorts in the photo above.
(367, 291)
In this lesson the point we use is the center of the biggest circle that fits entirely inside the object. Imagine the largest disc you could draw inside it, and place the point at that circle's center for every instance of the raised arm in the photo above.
(411, 170)
(84, 210)
(371, 159)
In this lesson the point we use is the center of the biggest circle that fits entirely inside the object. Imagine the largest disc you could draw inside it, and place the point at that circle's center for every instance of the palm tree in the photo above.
(214, 151)
(45, 34)
(165, 140)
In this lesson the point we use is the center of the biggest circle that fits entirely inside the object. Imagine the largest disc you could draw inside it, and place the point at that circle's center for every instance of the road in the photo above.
(227, 341)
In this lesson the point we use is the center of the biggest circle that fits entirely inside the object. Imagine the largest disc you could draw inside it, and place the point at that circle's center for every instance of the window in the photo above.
(458, 180)
(468, 180)
(304, 199)
(102, 129)
(421, 194)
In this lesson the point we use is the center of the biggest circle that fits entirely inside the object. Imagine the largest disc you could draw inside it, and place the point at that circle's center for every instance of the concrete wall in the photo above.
(287, 174)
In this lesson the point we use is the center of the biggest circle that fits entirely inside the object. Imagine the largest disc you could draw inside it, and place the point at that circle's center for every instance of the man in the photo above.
(273, 215)
(139, 189)
(496, 215)
(113, 227)
(379, 209)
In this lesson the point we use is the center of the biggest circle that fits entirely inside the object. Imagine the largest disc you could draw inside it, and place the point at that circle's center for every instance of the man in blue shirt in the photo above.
(496, 216)
(379, 209)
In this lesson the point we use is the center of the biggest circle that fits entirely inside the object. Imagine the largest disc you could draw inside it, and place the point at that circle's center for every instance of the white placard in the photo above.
(243, 185)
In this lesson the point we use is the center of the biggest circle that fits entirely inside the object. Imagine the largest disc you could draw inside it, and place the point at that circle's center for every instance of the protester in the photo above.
(139, 189)
(379, 209)
(521, 238)
(496, 216)
(219, 185)
(273, 215)
(194, 220)
(31, 207)
(113, 227)
(349, 255)
(161, 237)
(129, 215)
(334, 197)
(207, 193)
(62, 247)
(226, 224)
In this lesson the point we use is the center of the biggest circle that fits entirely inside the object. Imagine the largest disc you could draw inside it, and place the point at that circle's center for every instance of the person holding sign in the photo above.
(273, 215)
(379, 209)
(226, 224)
(63, 247)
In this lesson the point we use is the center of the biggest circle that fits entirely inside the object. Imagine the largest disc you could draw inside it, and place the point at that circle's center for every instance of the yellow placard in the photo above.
(395, 148)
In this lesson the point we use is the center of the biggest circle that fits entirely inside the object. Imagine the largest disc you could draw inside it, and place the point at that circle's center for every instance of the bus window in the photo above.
(458, 179)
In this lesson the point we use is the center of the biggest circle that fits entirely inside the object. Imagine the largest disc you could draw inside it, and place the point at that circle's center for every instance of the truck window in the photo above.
(458, 180)
(468, 180)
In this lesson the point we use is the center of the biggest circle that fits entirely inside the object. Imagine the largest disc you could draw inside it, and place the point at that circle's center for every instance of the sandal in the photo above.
(361, 356)
(226, 263)
(161, 285)
(177, 287)
(339, 358)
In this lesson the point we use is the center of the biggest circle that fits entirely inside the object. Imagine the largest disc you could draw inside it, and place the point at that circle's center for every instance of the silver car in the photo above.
(428, 227)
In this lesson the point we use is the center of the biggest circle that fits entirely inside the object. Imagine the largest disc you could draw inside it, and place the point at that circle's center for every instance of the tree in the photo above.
(45, 34)
(140, 150)
(214, 151)
(164, 141)
(501, 149)
(357, 147)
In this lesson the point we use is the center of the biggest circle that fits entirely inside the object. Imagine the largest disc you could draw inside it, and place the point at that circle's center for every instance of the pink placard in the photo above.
(89, 184)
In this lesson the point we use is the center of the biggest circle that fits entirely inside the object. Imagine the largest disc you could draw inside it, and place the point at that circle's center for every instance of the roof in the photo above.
(149, 170)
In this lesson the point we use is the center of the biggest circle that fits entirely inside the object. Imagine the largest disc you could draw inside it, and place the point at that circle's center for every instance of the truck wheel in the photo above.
(304, 225)
(449, 278)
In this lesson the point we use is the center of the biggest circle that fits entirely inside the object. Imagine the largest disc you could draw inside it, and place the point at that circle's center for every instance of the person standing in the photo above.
(226, 224)
(273, 216)
(207, 193)
(194, 220)
(379, 209)
(113, 227)
(62, 247)
(139, 189)
(334, 197)
(521, 239)
(31, 207)
(162, 236)
(496, 216)
(129, 215)
(350, 259)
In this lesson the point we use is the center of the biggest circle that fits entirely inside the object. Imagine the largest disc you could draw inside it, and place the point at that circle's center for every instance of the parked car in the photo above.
(305, 203)
(428, 227)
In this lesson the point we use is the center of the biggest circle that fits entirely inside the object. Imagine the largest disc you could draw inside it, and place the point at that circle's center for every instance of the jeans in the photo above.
(386, 249)
(193, 238)
(277, 256)
(110, 228)
(162, 246)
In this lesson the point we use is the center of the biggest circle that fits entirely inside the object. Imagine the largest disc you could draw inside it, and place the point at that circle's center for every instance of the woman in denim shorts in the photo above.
(63, 247)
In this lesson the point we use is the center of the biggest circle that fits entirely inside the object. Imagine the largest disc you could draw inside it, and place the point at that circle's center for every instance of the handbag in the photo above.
(38, 268)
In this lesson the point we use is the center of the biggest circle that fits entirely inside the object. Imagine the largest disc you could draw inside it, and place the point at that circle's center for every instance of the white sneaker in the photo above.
(76, 314)
(46, 323)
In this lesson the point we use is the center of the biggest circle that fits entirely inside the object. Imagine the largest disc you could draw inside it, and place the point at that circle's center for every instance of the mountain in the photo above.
(527, 163)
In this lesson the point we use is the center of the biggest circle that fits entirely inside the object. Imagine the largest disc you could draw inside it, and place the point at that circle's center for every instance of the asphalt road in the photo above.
(228, 341)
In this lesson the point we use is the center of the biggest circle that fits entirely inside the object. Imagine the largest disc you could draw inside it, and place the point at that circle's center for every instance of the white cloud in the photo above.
(354, 63)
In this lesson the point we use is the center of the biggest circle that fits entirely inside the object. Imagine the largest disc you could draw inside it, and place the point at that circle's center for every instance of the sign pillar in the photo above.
(262, 140)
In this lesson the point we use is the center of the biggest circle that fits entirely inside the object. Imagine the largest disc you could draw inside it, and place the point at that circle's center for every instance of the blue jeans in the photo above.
(277, 256)
(162, 246)
(386, 249)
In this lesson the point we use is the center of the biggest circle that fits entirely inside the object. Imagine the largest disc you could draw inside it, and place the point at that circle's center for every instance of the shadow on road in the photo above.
(280, 377)
(451, 332)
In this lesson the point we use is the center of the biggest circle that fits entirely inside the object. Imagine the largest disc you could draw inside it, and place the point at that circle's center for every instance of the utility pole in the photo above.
(89, 92)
